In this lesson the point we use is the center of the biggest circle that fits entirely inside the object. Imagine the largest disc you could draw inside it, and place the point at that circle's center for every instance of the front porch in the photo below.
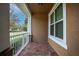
(34, 42)
(56, 24)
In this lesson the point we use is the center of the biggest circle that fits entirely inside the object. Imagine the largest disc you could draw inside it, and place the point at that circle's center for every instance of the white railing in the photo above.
(17, 40)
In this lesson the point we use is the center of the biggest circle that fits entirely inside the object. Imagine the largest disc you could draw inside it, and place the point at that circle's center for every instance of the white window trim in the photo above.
(56, 39)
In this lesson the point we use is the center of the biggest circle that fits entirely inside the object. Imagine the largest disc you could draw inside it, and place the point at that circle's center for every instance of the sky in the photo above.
(18, 13)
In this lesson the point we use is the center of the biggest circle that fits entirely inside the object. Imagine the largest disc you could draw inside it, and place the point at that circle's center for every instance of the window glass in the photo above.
(52, 29)
(52, 18)
(59, 12)
(59, 29)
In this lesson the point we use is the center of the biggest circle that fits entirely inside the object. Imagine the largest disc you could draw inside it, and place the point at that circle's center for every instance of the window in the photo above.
(57, 21)
(57, 24)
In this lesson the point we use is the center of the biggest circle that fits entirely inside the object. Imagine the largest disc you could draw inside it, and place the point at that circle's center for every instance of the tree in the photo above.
(14, 23)
(25, 27)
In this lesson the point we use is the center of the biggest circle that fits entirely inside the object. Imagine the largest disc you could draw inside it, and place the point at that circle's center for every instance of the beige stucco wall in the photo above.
(72, 16)
(40, 28)
(73, 28)
(4, 26)
(60, 50)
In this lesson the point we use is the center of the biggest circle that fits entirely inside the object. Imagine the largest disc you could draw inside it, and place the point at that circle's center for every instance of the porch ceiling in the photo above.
(40, 7)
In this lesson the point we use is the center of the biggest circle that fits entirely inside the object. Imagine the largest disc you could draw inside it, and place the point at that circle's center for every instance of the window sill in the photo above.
(58, 41)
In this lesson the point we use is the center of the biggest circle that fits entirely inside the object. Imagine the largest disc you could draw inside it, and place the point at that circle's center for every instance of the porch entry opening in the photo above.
(18, 28)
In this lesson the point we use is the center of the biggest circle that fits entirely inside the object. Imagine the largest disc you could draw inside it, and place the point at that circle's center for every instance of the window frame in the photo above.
(54, 38)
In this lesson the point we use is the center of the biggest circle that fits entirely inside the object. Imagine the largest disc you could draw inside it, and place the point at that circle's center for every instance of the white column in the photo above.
(29, 25)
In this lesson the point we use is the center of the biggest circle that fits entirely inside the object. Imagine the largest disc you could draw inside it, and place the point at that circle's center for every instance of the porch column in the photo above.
(29, 29)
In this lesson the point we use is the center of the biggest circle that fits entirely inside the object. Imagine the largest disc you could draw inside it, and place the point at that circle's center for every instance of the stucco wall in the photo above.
(73, 28)
(4, 26)
(72, 16)
(40, 28)
(60, 50)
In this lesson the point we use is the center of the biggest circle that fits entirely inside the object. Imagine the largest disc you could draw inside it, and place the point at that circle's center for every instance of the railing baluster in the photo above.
(18, 40)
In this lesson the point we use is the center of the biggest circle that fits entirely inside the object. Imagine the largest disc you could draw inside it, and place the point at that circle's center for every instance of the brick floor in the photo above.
(37, 49)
